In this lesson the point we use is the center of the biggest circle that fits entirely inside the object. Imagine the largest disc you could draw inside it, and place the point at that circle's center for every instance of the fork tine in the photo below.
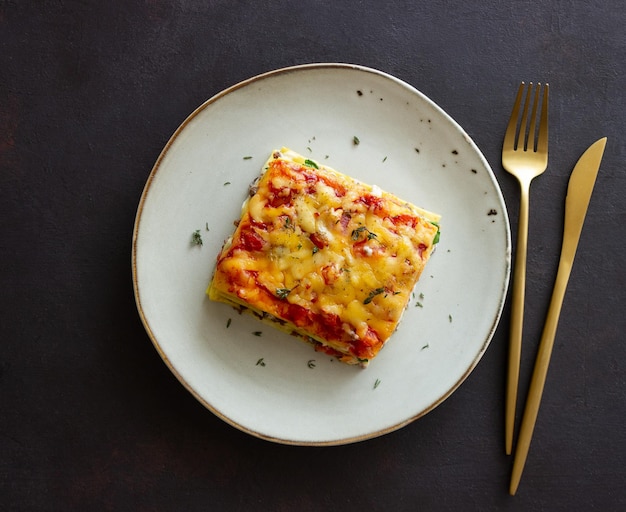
(531, 143)
(511, 129)
(522, 140)
(542, 139)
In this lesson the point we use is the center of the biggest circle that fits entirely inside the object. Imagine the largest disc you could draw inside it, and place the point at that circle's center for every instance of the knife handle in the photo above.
(539, 374)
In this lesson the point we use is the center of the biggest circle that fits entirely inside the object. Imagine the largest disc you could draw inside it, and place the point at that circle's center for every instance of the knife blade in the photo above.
(579, 189)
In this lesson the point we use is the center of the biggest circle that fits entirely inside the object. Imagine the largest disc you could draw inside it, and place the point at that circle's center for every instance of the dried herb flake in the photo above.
(196, 238)
(282, 293)
(357, 232)
(373, 294)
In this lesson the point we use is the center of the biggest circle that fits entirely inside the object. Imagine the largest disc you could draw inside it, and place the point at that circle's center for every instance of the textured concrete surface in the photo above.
(91, 417)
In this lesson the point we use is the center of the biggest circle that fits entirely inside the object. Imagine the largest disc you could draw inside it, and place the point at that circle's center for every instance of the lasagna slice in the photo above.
(324, 257)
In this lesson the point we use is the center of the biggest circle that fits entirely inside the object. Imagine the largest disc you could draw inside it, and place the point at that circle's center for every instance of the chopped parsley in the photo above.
(260, 362)
(356, 141)
(311, 163)
(247, 157)
(228, 322)
(196, 238)
(282, 293)
(226, 183)
(258, 333)
(436, 239)
(450, 318)
(376, 383)
(373, 294)
(311, 363)
(356, 233)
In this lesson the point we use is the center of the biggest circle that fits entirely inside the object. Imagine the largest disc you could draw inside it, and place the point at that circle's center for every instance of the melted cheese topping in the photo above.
(326, 256)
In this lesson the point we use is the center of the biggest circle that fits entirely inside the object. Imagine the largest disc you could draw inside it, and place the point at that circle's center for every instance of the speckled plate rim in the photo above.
(506, 260)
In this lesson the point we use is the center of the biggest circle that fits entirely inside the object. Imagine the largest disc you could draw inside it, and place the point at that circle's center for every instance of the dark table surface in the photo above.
(92, 419)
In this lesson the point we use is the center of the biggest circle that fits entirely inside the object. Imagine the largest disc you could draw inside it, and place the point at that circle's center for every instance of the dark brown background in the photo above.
(92, 419)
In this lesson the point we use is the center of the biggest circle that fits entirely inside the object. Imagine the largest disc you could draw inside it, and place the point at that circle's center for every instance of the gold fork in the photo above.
(525, 156)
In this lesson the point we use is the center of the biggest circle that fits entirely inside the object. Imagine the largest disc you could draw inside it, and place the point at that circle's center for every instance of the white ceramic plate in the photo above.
(273, 386)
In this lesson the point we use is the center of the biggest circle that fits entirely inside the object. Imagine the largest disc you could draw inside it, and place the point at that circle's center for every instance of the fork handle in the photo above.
(517, 316)
(540, 373)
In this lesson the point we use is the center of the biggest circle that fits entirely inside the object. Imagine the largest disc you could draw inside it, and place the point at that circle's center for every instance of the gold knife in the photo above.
(579, 192)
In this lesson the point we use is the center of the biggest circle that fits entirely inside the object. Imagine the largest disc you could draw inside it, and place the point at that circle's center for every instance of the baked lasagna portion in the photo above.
(324, 256)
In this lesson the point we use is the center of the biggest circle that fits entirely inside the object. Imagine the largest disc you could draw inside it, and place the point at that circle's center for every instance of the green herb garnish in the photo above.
(260, 362)
(357, 232)
(311, 363)
(282, 293)
(196, 237)
(436, 239)
(373, 294)
(310, 163)
(247, 157)
(228, 322)
(258, 333)
(376, 383)
(356, 141)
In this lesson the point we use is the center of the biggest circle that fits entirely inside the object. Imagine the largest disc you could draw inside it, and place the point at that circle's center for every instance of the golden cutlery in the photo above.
(525, 156)
(579, 192)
